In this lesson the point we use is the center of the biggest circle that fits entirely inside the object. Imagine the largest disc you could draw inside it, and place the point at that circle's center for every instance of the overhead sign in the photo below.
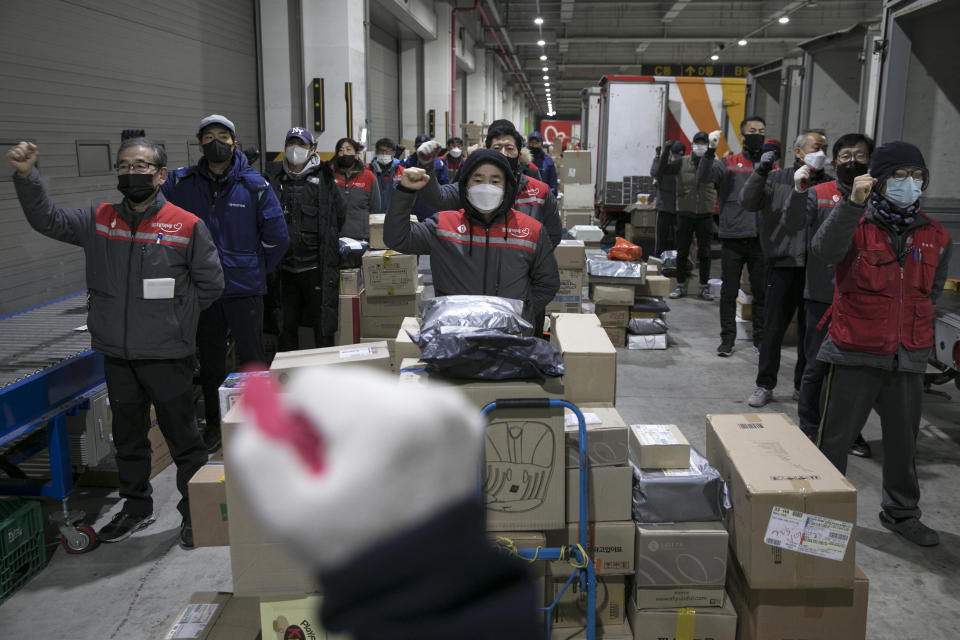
(698, 70)
(550, 128)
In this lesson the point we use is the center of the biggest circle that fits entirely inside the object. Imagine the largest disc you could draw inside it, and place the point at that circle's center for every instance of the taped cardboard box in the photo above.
(348, 319)
(577, 217)
(211, 615)
(578, 196)
(609, 494)
(613, 294)
(570, 254)
(717, 623)
(799, 614)
(388, 273)
(643, 218)
(606, 437)
(260, 564)
(208, 506)
(390, 306)
(610, 545)
(372, 354)
(376, 230)
(793, 520)
(351, 282)
(297, 617)
(659, 446)
(589, 357)
(613, 315)
(617, 335)
(684, 554)
(575, 167)
(571, 610)
(524, 471)
(405, 347)
(676, 597)
(744, 310)
(656, 285)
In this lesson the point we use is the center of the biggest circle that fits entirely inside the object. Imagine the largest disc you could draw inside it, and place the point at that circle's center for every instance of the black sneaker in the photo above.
(123, 526)
(186, 535)
(911, 529)
(211, 438)
(725, 350)
(860, 448)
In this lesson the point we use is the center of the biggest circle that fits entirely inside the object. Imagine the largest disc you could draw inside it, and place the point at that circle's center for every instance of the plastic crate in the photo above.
(22, 553)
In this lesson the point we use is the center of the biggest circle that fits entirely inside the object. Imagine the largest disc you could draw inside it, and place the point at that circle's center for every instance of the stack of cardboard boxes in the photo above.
(577, 204)
(613, 298)
(791, 531)
(571, 261)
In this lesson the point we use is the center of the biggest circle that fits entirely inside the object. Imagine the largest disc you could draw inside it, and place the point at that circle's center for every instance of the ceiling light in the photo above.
(714, 57)
(546, 84)
(742, 43)
(543, 42)
(784, 19)
(546, 77)
(538, 20)
(543, 58)
(544, 69)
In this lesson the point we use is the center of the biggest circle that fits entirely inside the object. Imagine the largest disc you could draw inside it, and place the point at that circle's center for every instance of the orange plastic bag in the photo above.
(624, 250)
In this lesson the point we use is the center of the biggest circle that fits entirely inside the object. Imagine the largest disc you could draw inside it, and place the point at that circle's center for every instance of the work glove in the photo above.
(801, 179)
(428, 149)
(714, 138)
(767, 160)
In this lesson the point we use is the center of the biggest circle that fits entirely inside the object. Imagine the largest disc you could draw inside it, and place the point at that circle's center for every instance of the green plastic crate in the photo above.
(22, 553)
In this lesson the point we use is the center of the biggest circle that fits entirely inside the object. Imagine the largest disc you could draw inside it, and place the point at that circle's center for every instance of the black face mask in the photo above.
(345, 162)
(514, 163)
(753, 141)
(217, 152)
(847, 171)
(136, 187)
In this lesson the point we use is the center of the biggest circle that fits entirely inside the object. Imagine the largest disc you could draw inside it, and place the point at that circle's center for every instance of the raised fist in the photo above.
(767, 160)
(23, 157)
(862, 186)
(714, 138)
(428, 149)
(801, 179)
(414, 178)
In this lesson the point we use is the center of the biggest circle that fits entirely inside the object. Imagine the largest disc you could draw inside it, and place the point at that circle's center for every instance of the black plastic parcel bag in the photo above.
(487, 354)
(696, 494)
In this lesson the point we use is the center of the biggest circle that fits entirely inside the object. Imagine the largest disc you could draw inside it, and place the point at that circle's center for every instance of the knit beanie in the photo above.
(891, 156)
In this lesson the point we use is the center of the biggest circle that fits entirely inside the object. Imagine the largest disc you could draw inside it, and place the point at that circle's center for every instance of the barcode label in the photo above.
(805, 533)
(751, 425)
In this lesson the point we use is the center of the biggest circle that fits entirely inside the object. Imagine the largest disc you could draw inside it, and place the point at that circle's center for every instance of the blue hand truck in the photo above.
(585, 570)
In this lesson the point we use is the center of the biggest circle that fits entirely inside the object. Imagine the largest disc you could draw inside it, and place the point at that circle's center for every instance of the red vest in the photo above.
(828, 195)
(531, 197)
(516, 231)
(878, 304)
(363, 180)
(171, 226)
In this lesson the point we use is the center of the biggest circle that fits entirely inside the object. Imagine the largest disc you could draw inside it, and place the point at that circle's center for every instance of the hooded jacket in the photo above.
(123, 248)
(736, 221)
(387, 179)
(243, 216)
(362, 196)
(666, 165)
(510, 256)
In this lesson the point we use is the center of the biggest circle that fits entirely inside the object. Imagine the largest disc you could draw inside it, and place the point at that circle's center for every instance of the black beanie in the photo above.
(500, 128)
(701, 136)
(891, 156)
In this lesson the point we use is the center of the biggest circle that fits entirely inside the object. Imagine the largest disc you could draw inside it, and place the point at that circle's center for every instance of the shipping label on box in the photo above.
(659, 446)
(198, 617)
(208, 506)
(613, 315)
(690, 554)
(612, 294)
(589, 357)
(299, 618)
(606, 437)
(388, 273)
(351, 282)
(575, 167)
(609, 494)
(372, 354)
(571, 610)
(715, 623)
(232, 386)
(773, 472)
(610, 546)
(570, 254)
(675, 597)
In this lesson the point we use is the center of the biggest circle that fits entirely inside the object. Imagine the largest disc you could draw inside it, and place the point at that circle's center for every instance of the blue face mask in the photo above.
(903, 193)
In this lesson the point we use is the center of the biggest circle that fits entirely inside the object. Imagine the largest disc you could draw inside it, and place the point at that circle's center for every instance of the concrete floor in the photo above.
(134, 589)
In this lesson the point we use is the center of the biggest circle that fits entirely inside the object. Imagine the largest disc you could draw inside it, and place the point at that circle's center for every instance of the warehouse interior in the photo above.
(79, 72)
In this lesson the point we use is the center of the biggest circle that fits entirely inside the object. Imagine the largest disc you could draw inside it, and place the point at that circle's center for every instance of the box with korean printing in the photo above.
(794, 515)
(674, 597)
(613, 315)
(571, 610)
(684, 554)
(610, 546)
(617, 335)
(388, 273)
(570, 294)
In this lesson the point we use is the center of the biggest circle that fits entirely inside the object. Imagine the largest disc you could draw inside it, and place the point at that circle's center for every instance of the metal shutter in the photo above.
(84, 70)
(384, 87)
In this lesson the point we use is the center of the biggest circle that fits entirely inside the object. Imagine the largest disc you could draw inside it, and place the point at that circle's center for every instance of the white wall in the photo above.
(437, 70)
(275, 57)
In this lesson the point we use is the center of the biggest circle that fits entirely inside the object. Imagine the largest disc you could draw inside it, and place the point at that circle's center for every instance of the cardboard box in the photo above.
(372, 354)
(577, 217)
(208, 506)
(617, 335)
(656, 285)
(613, 315)
(675, 597)
(718, 623)
(571, 610)
(801, 614)
(768, 463)
(608, 632)
(388, 273)
(348, 323)
(570, 254)
(376, 230)
(606, 437)
(613, 294)
(508, 541)
(744, 310)
(391, 349)
(404, 347)
(570, 294)
(609, 494)
(568, 306)
(217, 616)
(589, 356)
(658, 341)
(231, 388)
(260, 564)
(578, 196)
(643, 218)
(744, 329)
(610, 545)
(575, 167)
(379, 327)
(351, 282)
(681, 554)
(299, 617)
(524, 470)
(390, 306)
(659, 446)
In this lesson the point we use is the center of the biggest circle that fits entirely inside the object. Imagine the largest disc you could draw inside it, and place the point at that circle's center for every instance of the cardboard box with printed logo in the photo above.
(388, 273)
(570, 294)
(793, 520)
(617, 335)
(283, 618)
(613, 315)
(589, 357)
(571, 610)
(208, 506)
(674, 597)
(680, 554)
(606, 437)
(659, 446)
(372, 354)
(610, 546)
(217, 616)
(609, 494)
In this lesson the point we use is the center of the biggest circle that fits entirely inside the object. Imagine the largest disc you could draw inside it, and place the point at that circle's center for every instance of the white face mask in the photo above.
(699, 149)
(815, 160)
(384, 158)
(485, 197)
(455, 152)
(297, 155)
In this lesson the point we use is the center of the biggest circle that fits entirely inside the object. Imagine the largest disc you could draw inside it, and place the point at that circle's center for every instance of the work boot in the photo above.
(760, 397)
(186, 535)
(912, 529)
(725, 350)
(679, 292)
(123, 525)
(705, 292)
(860, 448)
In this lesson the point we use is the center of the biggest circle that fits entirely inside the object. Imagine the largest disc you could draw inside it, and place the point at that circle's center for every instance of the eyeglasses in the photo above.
(846, 156)
(918, 175)
(139, 166)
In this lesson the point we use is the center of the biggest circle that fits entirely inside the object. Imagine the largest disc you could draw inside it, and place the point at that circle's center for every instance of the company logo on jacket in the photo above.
(519, 233)
(167, 226)
(237, 204)
(462, 228)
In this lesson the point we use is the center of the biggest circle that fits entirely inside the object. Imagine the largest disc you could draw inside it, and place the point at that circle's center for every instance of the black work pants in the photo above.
(737, 253)
(666, 233)
(301, 300)
(242, 318)
(896, 396)
(782, 298)
(811, 383)
(132, 386)
(687, 227)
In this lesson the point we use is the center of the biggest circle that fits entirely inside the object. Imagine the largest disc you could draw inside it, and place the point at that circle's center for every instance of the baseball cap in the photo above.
(217, 119)
(301, 133)
(701, 136)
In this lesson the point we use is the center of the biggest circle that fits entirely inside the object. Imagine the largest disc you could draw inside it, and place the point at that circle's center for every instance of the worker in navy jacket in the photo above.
(244, 216)
(548, 170)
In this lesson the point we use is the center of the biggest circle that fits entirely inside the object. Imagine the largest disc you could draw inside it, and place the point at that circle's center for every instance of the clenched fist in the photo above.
(23, 157)
(428, 149)
(414, 178)
(801, 179)
(714, 138)
(862, 186)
